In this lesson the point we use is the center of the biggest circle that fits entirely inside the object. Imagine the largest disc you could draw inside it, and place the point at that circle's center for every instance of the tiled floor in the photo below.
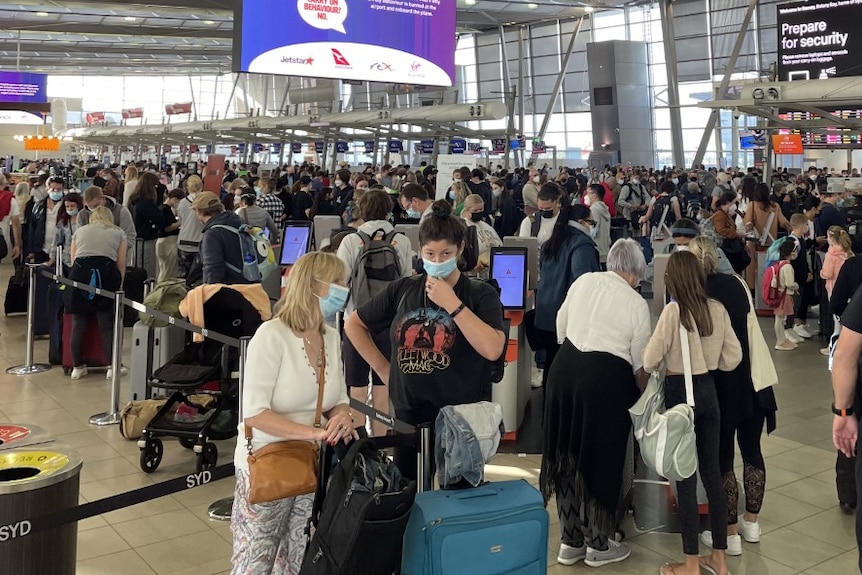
(804, 531)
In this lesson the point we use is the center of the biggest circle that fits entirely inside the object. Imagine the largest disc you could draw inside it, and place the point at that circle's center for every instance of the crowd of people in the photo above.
(427, 335)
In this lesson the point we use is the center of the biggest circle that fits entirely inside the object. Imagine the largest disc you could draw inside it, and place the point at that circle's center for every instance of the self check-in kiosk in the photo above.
(510, 268)
(532, 246)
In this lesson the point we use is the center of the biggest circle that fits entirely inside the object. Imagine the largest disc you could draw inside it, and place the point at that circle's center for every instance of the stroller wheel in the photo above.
(207, 458)
(188, 443)
(151, 455)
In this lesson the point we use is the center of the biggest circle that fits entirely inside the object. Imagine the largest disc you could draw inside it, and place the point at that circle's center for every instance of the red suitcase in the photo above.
(93, 355)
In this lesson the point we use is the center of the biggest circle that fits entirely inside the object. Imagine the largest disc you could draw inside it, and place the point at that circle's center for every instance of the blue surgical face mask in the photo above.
(72, 213)
(257, 190)
(594, 231)
(675, 181)
(451, 195)
(334, 301)
(56, 196)
(442, 269)
(413, 214)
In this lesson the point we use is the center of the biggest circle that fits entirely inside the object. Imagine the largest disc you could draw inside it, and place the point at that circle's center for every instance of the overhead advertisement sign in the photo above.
(818, 40)
(296, 147)
(24, 87)
(343, 39)
(787, 143)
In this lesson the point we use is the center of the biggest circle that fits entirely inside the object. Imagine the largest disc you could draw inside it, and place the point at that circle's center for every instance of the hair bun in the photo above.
(441, 209)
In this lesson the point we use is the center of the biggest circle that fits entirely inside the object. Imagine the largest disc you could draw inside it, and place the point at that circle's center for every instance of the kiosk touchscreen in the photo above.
(509, 269)
(295, 243)
(532, 245)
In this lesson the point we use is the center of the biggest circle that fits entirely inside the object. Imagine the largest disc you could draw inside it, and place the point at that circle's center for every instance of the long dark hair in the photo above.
(62, 216)
(568, 213)
(761, 196)
(685, 280)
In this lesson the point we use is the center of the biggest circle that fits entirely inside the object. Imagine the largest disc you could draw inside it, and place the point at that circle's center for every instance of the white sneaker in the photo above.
(123, 371)
(750, 531)
(734, 543)
(569, 555)
(802, 331)
(536, 382)
(79, 372)
(785, 345)
(615, 553)
(791, 336)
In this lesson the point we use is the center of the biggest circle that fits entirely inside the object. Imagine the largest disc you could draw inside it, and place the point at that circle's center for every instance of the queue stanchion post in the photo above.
(58, 262)
(112, 416)
(222, 509)
(29, 366)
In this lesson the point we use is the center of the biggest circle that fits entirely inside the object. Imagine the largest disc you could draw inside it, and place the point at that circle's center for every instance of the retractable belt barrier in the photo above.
(139, 307)
(26, 526)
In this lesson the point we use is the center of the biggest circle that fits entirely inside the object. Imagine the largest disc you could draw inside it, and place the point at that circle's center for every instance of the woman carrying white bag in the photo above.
(712, 345)
(746, 400)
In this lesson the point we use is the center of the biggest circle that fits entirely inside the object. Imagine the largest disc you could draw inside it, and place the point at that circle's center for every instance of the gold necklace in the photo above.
(319, 362)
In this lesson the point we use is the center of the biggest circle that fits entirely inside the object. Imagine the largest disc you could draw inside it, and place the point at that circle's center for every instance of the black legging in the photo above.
(707, 428)
(747, 435)
(79, 331)
(551, 347)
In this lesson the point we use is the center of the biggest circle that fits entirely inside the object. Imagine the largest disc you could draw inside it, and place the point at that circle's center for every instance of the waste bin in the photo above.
(14, 435)
(35, 481)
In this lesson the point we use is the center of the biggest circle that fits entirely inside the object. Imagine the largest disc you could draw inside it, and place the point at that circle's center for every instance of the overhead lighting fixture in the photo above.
(588, 9)
(130, 19)
(209, 22)
(42, 14)
(532, 6)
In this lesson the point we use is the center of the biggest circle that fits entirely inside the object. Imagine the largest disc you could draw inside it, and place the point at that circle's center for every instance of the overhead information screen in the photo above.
(818, 40)
(23, 87)
(392, 41)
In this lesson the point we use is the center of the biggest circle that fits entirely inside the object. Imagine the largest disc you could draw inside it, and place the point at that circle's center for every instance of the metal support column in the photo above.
(672, 82)
(734, 141)
(508, 95)
(284, 98)
(725, 81)
(521, 73)
(560, 77)
(232, 94)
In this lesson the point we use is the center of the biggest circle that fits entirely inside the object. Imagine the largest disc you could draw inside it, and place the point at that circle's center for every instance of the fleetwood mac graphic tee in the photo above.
(432, 363)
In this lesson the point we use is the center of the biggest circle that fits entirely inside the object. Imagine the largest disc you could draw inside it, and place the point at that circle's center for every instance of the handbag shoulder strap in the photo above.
(747, 294)
(321, 384)
(686, 365)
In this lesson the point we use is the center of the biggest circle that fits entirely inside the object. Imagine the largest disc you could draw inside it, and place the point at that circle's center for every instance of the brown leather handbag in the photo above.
(286, 468)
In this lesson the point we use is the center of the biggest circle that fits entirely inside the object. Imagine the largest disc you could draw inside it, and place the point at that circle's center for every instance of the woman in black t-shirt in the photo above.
(446, 330)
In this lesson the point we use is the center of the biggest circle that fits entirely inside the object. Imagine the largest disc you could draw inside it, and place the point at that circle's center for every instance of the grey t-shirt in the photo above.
(96, 240)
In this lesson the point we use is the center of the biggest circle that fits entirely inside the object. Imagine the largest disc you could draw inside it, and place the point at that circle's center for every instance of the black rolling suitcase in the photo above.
(360, 513)
(16, 293)
(135, 287)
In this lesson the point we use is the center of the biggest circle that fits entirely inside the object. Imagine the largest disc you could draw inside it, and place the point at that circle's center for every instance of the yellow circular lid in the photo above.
(46, 462)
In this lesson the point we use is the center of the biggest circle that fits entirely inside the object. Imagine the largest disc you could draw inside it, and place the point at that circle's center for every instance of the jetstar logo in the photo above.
(294, 60)
(339, 59)
(382, 67)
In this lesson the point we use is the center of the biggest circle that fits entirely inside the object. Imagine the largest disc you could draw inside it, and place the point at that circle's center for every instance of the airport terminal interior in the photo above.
(761, 88)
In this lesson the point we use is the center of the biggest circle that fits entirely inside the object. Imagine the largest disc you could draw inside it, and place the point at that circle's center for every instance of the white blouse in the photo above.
(603, 313)
(279, 377)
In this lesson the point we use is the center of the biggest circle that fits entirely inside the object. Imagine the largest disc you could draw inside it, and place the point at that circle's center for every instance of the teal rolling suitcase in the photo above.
(496, 529)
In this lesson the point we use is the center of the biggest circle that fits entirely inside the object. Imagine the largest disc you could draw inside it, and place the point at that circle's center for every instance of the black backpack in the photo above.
(658, 208)
(498, 365)
(359, 518)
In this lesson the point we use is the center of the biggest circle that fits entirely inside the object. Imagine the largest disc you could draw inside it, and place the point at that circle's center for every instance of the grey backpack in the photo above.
(376, 267)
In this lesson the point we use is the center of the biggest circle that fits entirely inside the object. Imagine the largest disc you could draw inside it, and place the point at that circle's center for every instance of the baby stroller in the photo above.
(208, 367)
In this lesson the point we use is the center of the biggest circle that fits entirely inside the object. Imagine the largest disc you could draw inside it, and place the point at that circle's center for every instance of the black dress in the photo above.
(736, 396)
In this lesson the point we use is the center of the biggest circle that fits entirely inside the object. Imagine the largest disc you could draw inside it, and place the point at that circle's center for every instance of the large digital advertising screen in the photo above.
(819, 40)
(392, 41)
(23, 87)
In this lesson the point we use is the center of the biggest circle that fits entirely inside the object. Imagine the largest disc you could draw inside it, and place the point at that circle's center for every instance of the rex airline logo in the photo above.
(340, 60)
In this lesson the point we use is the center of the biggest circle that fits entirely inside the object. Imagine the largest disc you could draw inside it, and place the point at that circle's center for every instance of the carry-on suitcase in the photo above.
(16, 293)
(359, 530)
(152, 347)
(92, 355)
(55, 335)
(497, 528)
(144, 257)
(135, 287)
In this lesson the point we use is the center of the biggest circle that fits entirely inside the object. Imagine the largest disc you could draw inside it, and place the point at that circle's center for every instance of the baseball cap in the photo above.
(304, 180)
(205, 201)
(685, 227)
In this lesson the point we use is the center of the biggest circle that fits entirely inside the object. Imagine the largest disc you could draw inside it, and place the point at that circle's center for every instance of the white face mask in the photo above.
(536, 179)
(732, 210)
(338, 183)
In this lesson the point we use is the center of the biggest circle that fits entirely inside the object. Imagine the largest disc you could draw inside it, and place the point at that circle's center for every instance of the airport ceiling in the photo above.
(184, 37)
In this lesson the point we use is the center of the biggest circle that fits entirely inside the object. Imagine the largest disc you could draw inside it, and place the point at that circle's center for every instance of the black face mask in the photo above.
(546, 213)
(476, 217)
